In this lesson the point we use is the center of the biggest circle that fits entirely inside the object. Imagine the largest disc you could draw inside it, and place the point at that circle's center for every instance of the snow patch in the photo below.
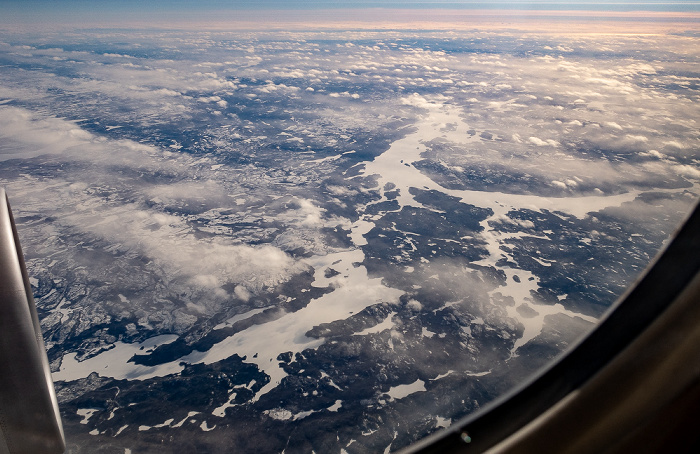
(86, 413)
(378, 328)
(189, 415)
(206, 428)
(443, 422)
(336, 406)
(239, 317)
(401, 391)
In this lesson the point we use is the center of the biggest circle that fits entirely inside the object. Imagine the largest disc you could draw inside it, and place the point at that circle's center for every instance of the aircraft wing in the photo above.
(29, 417)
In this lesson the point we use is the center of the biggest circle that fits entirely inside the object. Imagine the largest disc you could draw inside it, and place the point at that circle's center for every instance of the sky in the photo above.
(257, 14)
(108, 6)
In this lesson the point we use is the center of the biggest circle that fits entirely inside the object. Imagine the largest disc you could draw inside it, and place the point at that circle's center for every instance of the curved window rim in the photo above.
(673, 271)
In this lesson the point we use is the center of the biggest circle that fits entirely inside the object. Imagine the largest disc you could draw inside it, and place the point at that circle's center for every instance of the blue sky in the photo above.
(128, 13)
(29, 6)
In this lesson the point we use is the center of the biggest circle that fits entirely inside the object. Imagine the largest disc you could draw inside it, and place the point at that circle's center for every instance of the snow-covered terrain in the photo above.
(325, 241)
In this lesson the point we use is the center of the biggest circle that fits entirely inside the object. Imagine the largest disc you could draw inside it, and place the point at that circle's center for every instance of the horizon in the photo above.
(552, 21)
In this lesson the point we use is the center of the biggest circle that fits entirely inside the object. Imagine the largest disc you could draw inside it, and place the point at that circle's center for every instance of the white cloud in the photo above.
(637, 138)
(687, 171)
(311, 213)
(537, 141)
(131, 228)
(241, 292)
(653, 153)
